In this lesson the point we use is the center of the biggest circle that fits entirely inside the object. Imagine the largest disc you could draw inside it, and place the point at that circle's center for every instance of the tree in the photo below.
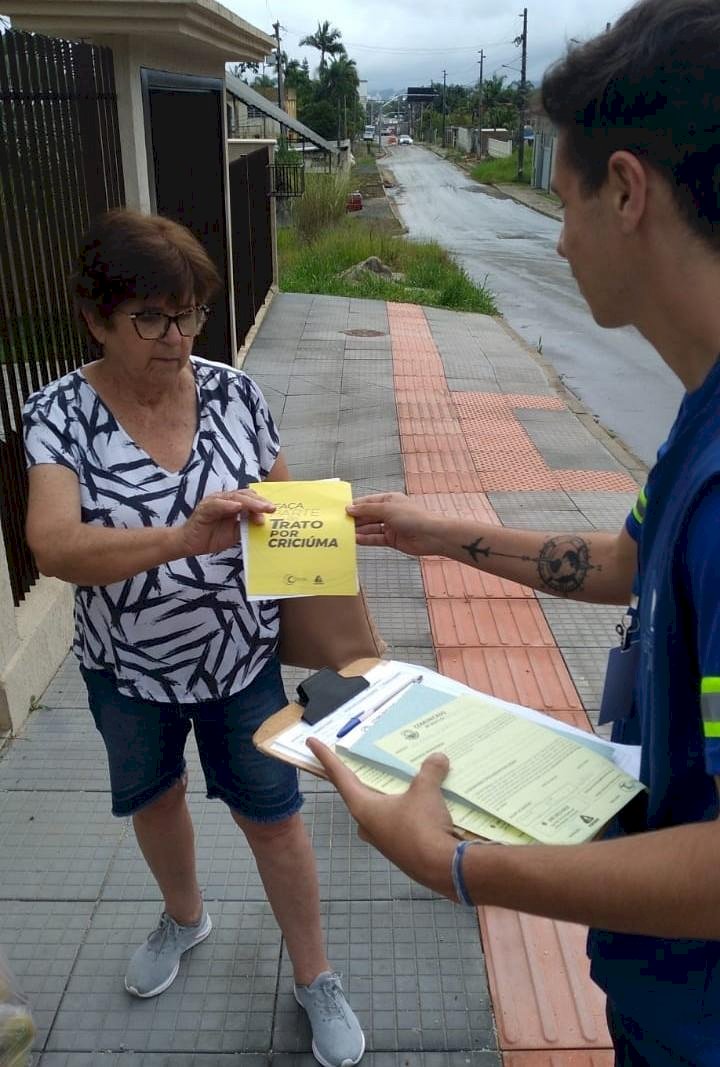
(340, 79)
(264, 81)
(327, 41)
(339, 84)
(241, 70)
(499, 103)
(320, 116)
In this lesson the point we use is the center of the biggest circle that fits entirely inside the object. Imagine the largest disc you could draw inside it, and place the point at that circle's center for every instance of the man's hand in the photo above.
(213, 525)
(413, 829)
(391, 520)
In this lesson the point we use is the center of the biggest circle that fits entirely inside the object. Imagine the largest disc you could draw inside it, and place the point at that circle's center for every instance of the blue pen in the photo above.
(357, 719)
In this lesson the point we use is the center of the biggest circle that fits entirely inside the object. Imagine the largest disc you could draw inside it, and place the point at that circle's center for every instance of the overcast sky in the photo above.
(397, 43)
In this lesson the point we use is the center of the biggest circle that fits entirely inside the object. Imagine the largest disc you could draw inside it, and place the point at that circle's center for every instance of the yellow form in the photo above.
(306, 547)
(541, 782)
(463, 815)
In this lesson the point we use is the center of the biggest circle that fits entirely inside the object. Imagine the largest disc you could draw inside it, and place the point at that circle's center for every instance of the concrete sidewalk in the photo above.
(537, 199)
(454, 409)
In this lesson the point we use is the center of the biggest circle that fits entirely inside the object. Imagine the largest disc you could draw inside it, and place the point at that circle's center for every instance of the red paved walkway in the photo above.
(492, 634)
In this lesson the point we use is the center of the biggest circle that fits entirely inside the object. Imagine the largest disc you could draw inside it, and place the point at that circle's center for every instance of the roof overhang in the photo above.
(201, 24)
(249, 96)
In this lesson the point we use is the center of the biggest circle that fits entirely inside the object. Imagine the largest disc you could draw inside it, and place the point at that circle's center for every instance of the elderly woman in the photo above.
(139, 464)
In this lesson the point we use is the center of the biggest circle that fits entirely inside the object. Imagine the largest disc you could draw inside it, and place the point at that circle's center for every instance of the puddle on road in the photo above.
(520, 237)
(486, 190)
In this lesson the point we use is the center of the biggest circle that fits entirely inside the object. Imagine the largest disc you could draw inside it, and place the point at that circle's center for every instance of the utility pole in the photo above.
(276, 27)
(345, 129)
(480, 107)
(443, 117)
(523, 88)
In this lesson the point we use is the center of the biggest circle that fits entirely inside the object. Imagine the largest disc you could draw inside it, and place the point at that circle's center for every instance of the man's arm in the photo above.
(65, 547)
(665, 883)
(596, 567)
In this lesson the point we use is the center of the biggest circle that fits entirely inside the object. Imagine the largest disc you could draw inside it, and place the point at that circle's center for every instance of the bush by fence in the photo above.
(321, 205)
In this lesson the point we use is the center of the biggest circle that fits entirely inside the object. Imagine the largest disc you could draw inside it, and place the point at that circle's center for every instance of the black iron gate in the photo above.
(252, 245)
(185, 147)
(60, 164)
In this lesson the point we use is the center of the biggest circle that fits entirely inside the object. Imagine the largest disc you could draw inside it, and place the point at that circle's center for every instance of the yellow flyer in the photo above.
(306, 547)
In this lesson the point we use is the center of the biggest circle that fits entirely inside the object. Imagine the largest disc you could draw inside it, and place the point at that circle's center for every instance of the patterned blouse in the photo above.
(184, 631)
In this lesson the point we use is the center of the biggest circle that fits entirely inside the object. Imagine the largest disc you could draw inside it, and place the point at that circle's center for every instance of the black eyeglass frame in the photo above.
(169, 320)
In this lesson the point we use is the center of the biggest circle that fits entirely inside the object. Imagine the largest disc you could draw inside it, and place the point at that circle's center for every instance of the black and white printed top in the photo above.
(184, 631)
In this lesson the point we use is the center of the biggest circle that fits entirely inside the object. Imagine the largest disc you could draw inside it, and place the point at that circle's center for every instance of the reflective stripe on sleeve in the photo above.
(640, 507)
(710, 704)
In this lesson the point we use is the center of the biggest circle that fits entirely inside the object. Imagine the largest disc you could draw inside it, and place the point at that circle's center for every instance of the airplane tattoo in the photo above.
(563, 563)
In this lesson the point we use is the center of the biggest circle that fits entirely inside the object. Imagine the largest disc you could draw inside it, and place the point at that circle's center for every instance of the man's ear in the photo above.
(96, 325)
(628, 188)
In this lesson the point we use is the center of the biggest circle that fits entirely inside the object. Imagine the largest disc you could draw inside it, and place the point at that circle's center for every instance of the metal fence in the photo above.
(60, 165)
(250, 212)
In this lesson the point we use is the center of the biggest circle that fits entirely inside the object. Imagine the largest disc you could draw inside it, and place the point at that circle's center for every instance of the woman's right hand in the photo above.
(213, 525)
(391, 520)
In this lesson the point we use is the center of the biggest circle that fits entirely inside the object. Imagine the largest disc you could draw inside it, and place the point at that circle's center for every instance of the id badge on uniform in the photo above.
(617, 698)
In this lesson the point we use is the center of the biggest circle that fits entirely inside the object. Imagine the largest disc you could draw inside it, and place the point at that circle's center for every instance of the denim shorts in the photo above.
(145, 743)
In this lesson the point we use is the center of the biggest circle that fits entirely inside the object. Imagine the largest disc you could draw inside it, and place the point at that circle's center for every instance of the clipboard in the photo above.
(292, 713)
(268, 740)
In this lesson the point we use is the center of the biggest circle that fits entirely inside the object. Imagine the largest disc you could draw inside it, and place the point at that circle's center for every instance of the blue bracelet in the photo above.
(461, 889)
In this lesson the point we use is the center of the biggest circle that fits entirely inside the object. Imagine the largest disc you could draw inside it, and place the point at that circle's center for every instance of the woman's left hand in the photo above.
(413, 829)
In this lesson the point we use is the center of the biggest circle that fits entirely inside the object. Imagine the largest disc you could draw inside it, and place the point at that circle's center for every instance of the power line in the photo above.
(406, 51)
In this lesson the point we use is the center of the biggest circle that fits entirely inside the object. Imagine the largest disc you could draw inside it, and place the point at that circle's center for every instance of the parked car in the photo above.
(369, 133)
(405, 138)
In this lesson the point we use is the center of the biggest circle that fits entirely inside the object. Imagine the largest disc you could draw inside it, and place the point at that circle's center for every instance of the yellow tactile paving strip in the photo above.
(492, 634)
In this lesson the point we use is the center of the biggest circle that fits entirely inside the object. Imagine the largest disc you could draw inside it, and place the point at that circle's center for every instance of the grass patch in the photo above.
(503, 170)
(321, 205)
(430, 275)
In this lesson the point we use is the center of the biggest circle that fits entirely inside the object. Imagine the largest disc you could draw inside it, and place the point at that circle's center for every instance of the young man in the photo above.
(638, 170)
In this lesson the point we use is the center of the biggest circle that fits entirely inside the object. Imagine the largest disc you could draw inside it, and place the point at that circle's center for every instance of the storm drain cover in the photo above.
(364, 333)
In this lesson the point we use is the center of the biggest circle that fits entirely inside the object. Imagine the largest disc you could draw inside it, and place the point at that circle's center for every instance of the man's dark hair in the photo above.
(650, 85)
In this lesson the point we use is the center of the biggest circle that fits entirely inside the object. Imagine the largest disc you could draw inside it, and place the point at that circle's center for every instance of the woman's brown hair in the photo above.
(126, 255)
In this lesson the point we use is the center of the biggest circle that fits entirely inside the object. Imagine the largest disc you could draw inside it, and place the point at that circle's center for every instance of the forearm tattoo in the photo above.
(563, 562)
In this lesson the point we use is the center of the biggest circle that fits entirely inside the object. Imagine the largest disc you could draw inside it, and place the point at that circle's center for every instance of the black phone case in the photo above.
(325, 691)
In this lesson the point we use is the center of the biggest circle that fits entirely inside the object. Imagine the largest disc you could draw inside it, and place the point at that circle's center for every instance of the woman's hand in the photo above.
(213, 525)
(391, 520)
(413, 829)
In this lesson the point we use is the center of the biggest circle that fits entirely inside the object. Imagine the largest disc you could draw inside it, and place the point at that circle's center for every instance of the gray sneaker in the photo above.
(338, 1040)
(154, 966)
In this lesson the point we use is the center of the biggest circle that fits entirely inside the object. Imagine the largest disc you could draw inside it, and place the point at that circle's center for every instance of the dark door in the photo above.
(185, 146)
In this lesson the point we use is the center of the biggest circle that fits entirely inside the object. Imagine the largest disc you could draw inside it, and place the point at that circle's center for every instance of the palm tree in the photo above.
(327, 41)
(340, 78)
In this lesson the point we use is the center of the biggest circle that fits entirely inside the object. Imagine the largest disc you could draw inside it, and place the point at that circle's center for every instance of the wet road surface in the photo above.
(511, 248)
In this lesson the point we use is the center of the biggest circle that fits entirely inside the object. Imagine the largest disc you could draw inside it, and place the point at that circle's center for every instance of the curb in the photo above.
(549, 212)
(391, 203)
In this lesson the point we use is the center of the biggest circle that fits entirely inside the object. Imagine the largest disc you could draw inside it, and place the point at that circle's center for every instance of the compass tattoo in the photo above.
(563, 563)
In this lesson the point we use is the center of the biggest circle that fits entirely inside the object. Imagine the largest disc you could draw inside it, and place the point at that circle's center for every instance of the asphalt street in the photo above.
(512, 249)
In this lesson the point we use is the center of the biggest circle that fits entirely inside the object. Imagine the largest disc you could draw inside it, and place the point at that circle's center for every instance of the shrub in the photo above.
(321, 205)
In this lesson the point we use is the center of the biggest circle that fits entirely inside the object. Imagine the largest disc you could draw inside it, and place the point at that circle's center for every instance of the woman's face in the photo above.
(132, 338)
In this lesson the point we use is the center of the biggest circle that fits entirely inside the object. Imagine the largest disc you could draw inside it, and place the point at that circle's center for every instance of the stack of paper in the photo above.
(517, 776)
(545, 784)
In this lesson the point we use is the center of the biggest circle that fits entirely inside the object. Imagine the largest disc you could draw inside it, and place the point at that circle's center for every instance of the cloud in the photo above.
(410, 42)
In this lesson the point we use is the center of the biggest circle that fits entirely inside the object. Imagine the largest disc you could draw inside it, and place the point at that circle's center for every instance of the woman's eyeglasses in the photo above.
(154, 325)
